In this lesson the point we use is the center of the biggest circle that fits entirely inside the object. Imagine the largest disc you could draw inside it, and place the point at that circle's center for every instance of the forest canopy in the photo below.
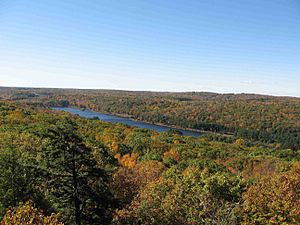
(259, 118)
(57, 168)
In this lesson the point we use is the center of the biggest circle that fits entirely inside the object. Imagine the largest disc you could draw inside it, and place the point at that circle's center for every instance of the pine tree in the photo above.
(78, 186)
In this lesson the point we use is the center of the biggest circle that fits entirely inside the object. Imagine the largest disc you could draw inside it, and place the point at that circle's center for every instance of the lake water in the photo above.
(117, 119)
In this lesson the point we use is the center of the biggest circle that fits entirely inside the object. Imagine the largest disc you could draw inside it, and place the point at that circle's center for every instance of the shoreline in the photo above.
(130, 117)
(125, 116)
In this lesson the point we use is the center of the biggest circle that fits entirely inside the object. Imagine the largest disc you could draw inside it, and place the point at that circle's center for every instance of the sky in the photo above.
(232, 46)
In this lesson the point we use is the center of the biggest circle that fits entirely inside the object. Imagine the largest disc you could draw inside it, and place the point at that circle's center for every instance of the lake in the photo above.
(127, 121)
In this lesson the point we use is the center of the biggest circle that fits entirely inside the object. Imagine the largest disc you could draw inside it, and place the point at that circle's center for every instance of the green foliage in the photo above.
(95, 171)
(78, 185)
(139, 140)
(265, 119)
(17, 179)
(196, 198)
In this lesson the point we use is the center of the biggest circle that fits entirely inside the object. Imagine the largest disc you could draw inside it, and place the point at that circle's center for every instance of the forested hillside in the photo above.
(62, 169)
(266, 119)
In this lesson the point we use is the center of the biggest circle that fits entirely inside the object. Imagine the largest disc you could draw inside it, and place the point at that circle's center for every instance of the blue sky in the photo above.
(188, 45)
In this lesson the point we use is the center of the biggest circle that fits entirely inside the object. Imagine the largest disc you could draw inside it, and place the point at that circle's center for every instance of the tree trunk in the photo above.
(76, 198)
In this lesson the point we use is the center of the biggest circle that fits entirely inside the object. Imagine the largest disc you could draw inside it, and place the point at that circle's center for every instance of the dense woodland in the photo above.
(259, 118)
(57, 168)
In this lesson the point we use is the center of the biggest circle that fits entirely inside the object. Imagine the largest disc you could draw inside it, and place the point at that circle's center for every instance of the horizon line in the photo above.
(154, 91)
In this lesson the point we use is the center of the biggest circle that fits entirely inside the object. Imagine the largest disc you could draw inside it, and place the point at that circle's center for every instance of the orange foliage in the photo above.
(172, 154)
(274, 199)
(127, 182)
(256, 168)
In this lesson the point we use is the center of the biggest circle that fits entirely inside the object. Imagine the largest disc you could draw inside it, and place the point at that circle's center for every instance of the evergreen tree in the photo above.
(76, 184)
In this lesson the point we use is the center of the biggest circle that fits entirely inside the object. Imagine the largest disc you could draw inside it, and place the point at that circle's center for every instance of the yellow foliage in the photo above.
(110, 139)
(176, 142)
(128, 160)
(240, 142)
(28, 215)
(274, 199)
(114, 147)
(190, 171)
(16, 116)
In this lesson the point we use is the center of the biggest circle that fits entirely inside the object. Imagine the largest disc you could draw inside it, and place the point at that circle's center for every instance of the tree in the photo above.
(126, 182)
(196, 197)
(274, 199)
(27, 214)
(77, 184)
(17, 180)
